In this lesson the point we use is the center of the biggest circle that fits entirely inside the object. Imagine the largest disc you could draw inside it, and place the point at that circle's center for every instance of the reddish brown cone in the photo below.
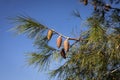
(62, 52)
(85, 2)
(59, 41)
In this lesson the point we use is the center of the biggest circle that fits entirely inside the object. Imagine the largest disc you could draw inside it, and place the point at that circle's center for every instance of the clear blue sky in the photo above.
(55, 14)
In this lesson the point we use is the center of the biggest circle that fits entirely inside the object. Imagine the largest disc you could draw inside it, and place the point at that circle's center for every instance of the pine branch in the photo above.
(31, 25)
(87, 60)
(60, 72)
(38, 31)
(39, 60)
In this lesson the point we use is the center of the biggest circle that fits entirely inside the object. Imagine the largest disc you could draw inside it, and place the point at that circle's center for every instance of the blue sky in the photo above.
(56, 14)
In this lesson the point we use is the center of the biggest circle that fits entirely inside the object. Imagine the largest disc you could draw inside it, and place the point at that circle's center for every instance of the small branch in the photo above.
(105, 5)
(115, 8)
(112, 71)
(64, 35)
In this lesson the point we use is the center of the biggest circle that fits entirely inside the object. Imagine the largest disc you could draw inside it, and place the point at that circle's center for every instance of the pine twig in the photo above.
(64, 35)
(112, 71)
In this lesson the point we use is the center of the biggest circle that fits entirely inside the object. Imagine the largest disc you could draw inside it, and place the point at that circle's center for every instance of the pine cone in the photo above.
(59, 41)
(85, 2)
(62, 52)
(66, 45)
(49, 34)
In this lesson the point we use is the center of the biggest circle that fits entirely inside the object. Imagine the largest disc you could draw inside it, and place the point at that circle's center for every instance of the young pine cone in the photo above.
(49, 34)
(66, 45)
(59, 41)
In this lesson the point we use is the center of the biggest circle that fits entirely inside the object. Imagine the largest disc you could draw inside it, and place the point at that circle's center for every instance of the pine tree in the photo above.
(95, 55)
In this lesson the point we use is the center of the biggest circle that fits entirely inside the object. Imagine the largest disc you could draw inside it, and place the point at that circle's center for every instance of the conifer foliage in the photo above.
(95, 55)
